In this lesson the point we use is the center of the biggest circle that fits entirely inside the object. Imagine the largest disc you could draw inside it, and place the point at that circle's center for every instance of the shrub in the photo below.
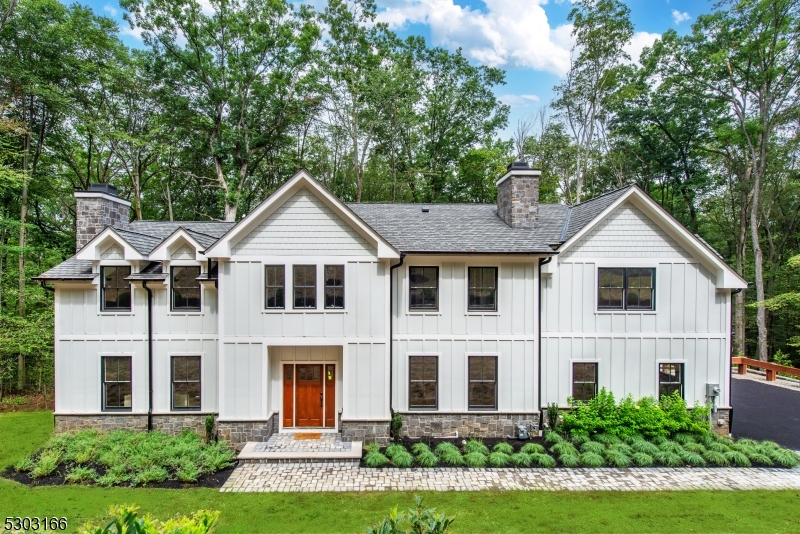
(645, 447)
(397, 425)
(427, 459)
(533, 448)
(591, 459)
(371, 447)
(694, 447)
(475, 445)
(683, 438)
(24, 465)
(393, 449)
(715, 457)
(634, 437)
(761, 459)
(669, 459)
(475, 459)
(125, 519)
(784, 457)
(110, 479)
(737, 458)
(624, 448)
(499, 459)
(505, 448)
(81, 475)
(375, 459)
(593, 446)
(569, 460)
(578, 437)
(552, 437)
(658, 440)
(564, 447)
(543, 460)
(718, 447)
(706, 439)
(402, 458)
(451, 457)
(670, 446)
(209, 427)
(642, 459)
(419, 448)
(46, 464)
(446, 446)
(419, 519)
(521, 459)
(693, 459)
(152, 474)
(617, 458)
(606, 439)
(552, 415)
(188, 472)
(749, 442)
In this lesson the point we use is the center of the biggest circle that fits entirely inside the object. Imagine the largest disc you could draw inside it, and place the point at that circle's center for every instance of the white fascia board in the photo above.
(222, 248)
(92, 249)
(161, 252)
(726, 278)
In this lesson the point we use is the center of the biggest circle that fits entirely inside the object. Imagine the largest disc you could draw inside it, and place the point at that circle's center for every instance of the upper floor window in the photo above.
(117, 383)
(482, 289)
(483, 382)
(116, 292)
(275, 281)
(423, 293)
(305, 286)
(670, 379)
(584, 381)
(334, 286)
(185, 288)
(626, 288)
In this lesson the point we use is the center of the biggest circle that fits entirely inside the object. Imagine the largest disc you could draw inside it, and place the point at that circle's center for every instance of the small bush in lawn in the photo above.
(591, 459)
(393, 449)
(552, 437)
(371, 446)
(416, 519)
(617, 458)
(543, 460)
(570, 460)
(81, 475)
(564, 447)
(24, 465)
(579, 437)
(499, 459)
(402, 458)
(642, 459)
(606, 439)
(126, 519)
(718, 447)
(693, 459)
(188, 472)
(715, 457)
(427, 459)
(694, 447)
(668, 459)
(645, 447)
(521, 459)
(375, 459)
(505, 448)
(419, 447)
(737, 458)
(533, 448)
(475, 459)
(153, 474)
(46, 464)
(670, 446)
(475, 445)
(593, 446)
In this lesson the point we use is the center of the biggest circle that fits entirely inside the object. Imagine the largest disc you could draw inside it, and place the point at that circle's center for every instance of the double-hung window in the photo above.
(334, 287)
(186, 382)
(305, 286)
(423, 381)
(115, 291)
(117, 391)
(584, 381)
(423, 288)
(482, 382)
(670, 379)
(185, 289)
(626, 288)
(482, 289)
(275, 282)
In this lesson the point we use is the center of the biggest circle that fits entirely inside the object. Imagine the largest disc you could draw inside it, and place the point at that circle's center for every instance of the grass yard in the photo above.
(697, 511)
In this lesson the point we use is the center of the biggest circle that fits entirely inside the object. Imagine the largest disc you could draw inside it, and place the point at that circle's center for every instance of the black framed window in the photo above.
(117, 392)
(482, 289)
(116, 292)
(423, 286)
(631, 288)
(670, 379)
(185, 288)
(423, 376)
(186, 382)
(275, 282)
(334, 287)
(584, 381)
(305, 286)
(483, 382)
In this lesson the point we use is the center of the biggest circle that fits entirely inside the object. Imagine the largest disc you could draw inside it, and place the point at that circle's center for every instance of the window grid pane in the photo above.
(482, 289)
(305, 286)
(611, 287)
(483, 382)
(423, 377)
(116, 292)
(670, 379)
(116, 383)
(275, 282)
(185, 288)
(185, 382)
(584, 381)
(423, 288)
(625, 288)
(334, 286)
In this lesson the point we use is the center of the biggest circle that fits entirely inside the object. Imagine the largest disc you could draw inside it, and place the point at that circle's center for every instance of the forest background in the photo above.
(229, 98)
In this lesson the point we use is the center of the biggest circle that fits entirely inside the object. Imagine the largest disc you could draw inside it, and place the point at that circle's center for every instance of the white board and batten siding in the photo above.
(689, 324)
(453, 333)
(303, 231)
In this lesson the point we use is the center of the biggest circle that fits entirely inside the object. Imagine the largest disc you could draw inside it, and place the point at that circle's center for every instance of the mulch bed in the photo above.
(206, 480)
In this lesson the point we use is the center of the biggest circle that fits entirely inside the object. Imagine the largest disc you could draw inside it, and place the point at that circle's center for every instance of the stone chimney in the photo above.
(518, 196)
(97, 208)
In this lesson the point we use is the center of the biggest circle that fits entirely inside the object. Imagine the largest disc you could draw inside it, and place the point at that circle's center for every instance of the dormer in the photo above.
(179, 246)
(109, 244)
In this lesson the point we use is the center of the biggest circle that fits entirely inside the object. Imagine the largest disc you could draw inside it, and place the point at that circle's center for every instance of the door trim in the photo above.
(294, 428)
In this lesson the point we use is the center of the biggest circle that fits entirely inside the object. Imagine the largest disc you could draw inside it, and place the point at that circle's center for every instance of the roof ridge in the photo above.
(196, 232)
(137, 233)
(602, 195)
(566, 224)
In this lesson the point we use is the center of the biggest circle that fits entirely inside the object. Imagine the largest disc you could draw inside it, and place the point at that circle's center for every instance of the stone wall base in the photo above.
(238, 433)
(365, 431)
(477, 425)
(721, 421)
(172, 424)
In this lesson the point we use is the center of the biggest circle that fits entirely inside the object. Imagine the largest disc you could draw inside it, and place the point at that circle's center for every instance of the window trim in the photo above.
(496, 310)
(264, 285)
(172, 357)
(424, 311)
(316, 289)
(600, 310)
(496, 357)
(343, 286)
(101, 279)
(658, 377)
(572, 375)
(183, 311)
(408, 391)
(103, 357)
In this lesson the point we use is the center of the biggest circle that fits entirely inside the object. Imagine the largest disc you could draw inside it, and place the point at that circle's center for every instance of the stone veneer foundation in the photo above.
(172, 424)
(477, 425)
(240, 432)
(365, 431)
(723, 415)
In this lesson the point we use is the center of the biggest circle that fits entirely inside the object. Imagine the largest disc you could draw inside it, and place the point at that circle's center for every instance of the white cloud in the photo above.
(509, 33)
(639, 42)
(110, 10)
(534, 98)
(518, 101)
(136, 33)
(679, 17)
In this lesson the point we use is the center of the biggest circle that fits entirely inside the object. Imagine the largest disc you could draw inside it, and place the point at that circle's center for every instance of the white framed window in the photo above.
(423, 382)
(117, 380)
(482, 283)
(423, 288)
(274, 287)
(304, 286)
(626, 288)
(584, 380)
(671, 378)
(482, 382)
(116, 294)
(185, 288)
(334, 287)
(186, 382)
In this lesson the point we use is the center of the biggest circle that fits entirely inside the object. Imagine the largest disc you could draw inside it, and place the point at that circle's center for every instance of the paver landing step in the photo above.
(284, 448)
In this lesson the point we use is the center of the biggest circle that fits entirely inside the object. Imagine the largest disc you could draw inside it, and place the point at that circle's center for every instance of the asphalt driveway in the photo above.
(763, 411)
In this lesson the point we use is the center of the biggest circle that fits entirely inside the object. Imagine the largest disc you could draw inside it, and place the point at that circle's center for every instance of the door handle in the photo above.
(320, 400)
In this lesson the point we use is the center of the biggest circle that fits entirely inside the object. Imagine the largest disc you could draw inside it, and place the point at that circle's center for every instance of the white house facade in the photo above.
(468, 319)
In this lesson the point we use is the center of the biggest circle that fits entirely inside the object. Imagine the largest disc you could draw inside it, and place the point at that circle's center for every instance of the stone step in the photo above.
(249, 454)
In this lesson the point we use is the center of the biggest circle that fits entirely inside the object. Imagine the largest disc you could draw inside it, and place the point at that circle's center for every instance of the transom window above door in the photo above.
(626, 288)
(423, 292)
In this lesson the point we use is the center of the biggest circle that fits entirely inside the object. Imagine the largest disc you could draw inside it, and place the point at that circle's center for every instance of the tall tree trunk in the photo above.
(761, 313)
(23, 217)
(740, 344)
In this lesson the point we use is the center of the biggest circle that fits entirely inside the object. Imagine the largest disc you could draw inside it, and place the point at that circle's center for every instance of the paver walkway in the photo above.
(328, 442)
(316, 477)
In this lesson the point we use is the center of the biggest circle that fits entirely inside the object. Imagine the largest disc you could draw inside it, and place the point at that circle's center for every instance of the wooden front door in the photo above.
(309, 395)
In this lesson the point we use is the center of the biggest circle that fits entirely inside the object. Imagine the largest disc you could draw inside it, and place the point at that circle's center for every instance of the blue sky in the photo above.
(529, 39)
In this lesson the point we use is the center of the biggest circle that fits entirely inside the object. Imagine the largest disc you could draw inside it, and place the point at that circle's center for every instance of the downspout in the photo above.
(149, 354)
(542, 261)
(391, 333)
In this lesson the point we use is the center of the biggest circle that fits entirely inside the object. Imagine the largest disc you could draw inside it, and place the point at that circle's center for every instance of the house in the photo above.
(311, 312)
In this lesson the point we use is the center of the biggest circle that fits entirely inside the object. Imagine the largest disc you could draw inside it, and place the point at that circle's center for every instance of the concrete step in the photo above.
(250, 455)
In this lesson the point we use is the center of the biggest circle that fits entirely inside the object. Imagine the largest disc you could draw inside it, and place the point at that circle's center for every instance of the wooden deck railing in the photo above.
(772, 369)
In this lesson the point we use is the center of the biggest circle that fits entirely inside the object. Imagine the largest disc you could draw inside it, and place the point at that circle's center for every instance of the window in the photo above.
(275, 281)
(185, 288)
(422, 387)
(116, 383)
(334, 287)
(584, 381)
(186, 382)
(670, 379)
(116, 292)
(482, 289)
(423, 288)
(305, 286)
(626, 289)
(483, 382)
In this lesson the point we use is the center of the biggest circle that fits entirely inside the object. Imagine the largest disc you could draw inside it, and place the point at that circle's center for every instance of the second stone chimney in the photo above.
(97, 208)
(518, 195)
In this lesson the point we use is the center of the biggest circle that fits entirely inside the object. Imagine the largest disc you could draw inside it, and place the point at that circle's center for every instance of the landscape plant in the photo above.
(420, 520)
(125, 520)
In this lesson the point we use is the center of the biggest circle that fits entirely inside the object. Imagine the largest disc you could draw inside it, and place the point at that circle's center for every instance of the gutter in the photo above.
(149, 354)
(542, 261)
(391, 333)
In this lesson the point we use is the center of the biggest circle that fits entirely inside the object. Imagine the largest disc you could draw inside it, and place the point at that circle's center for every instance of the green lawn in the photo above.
(697, 511)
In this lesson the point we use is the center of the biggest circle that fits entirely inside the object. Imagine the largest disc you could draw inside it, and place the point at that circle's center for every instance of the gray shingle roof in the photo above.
(583, 213)
(70, 269)
(141, 242)
(153, 271)
(163, 229)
